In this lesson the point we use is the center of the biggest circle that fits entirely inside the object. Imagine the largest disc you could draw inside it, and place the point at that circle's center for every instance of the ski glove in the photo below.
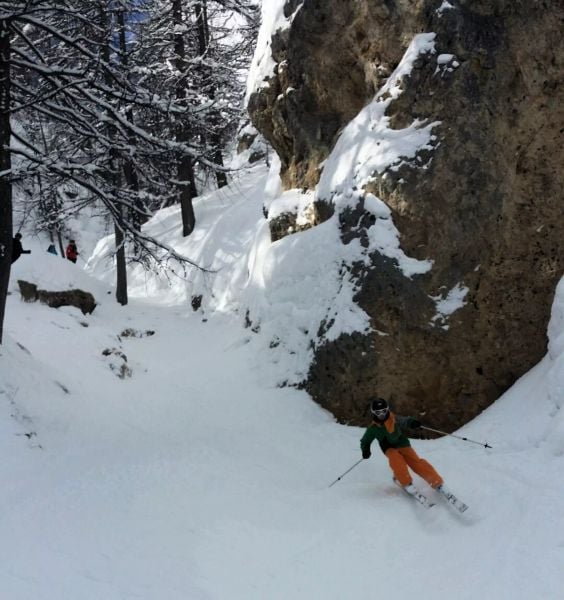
(366, 453)
(414, 423)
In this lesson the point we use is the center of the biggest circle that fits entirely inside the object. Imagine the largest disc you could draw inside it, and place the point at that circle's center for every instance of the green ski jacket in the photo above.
(389, 434)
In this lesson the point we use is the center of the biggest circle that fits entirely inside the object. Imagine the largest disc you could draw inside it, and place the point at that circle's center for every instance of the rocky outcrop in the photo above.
(485, 206)
(80, 299)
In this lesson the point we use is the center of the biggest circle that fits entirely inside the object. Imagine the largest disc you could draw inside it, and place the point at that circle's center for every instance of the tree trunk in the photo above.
(185, 168)
(203, 45)
(5, 171)
(60, 240)
(121, 267)
(50, 207)
(114, 173)
(131, 178)
(220, 176)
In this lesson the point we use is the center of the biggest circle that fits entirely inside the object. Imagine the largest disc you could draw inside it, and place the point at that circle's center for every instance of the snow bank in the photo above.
(146, 487)
(288, 289)
(530, 413)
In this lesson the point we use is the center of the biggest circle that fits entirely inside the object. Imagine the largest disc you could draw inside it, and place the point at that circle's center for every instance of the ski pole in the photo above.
(347, 471)
(459, 437)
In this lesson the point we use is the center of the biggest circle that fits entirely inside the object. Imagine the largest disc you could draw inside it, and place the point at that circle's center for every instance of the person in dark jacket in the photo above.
(388, 429)
(72, 251)
(17, 249)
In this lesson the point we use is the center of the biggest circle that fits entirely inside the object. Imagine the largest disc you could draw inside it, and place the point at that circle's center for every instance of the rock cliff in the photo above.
(486, 205)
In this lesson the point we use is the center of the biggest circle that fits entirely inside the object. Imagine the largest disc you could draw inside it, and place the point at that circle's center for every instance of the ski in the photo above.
(451, 498)
(412, 491)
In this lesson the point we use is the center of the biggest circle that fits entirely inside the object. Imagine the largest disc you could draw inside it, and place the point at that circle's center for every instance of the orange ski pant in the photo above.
(402, 458)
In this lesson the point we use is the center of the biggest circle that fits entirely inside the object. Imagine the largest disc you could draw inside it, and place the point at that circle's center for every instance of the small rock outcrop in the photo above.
(84, 301)
(117, 362)
(485, 206)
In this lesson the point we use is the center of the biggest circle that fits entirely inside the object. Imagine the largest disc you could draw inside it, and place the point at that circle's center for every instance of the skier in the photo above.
(17, 249)
(72, 251)
(387, 428)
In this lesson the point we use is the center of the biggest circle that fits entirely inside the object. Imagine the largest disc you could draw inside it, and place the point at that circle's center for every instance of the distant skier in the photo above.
(387, 428)
(52, 249)
(17, 249)
(72, 251)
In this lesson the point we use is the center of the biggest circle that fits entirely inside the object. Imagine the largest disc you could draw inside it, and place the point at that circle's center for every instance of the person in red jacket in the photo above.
(71, 251)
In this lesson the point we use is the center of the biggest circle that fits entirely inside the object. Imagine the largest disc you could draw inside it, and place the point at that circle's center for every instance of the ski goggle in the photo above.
(381, 412)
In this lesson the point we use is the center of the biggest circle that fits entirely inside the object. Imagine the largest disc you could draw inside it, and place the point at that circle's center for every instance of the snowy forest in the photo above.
(130, 105)
(281, 299)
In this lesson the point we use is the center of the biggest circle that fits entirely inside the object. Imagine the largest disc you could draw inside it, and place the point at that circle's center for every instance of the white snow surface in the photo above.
(203, 476)
(369, 146)
(450, 303)
(199, 479)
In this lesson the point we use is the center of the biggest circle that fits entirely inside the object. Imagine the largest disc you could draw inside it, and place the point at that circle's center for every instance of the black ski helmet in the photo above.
(379, 408)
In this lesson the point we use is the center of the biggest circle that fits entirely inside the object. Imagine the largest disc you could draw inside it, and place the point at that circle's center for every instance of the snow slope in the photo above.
(199, 478)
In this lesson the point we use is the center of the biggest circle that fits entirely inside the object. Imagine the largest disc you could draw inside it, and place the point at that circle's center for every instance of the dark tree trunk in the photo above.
(121, 264)
(49, 206)
(203, 45)
(185, 167)
(220, 176)
(5, 174)
(131, 178)
(114, 174)
(121, 267)
(60, 240)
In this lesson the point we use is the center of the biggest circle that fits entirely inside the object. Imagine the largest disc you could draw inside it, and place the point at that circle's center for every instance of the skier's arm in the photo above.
(365, 443)
(408, 422)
